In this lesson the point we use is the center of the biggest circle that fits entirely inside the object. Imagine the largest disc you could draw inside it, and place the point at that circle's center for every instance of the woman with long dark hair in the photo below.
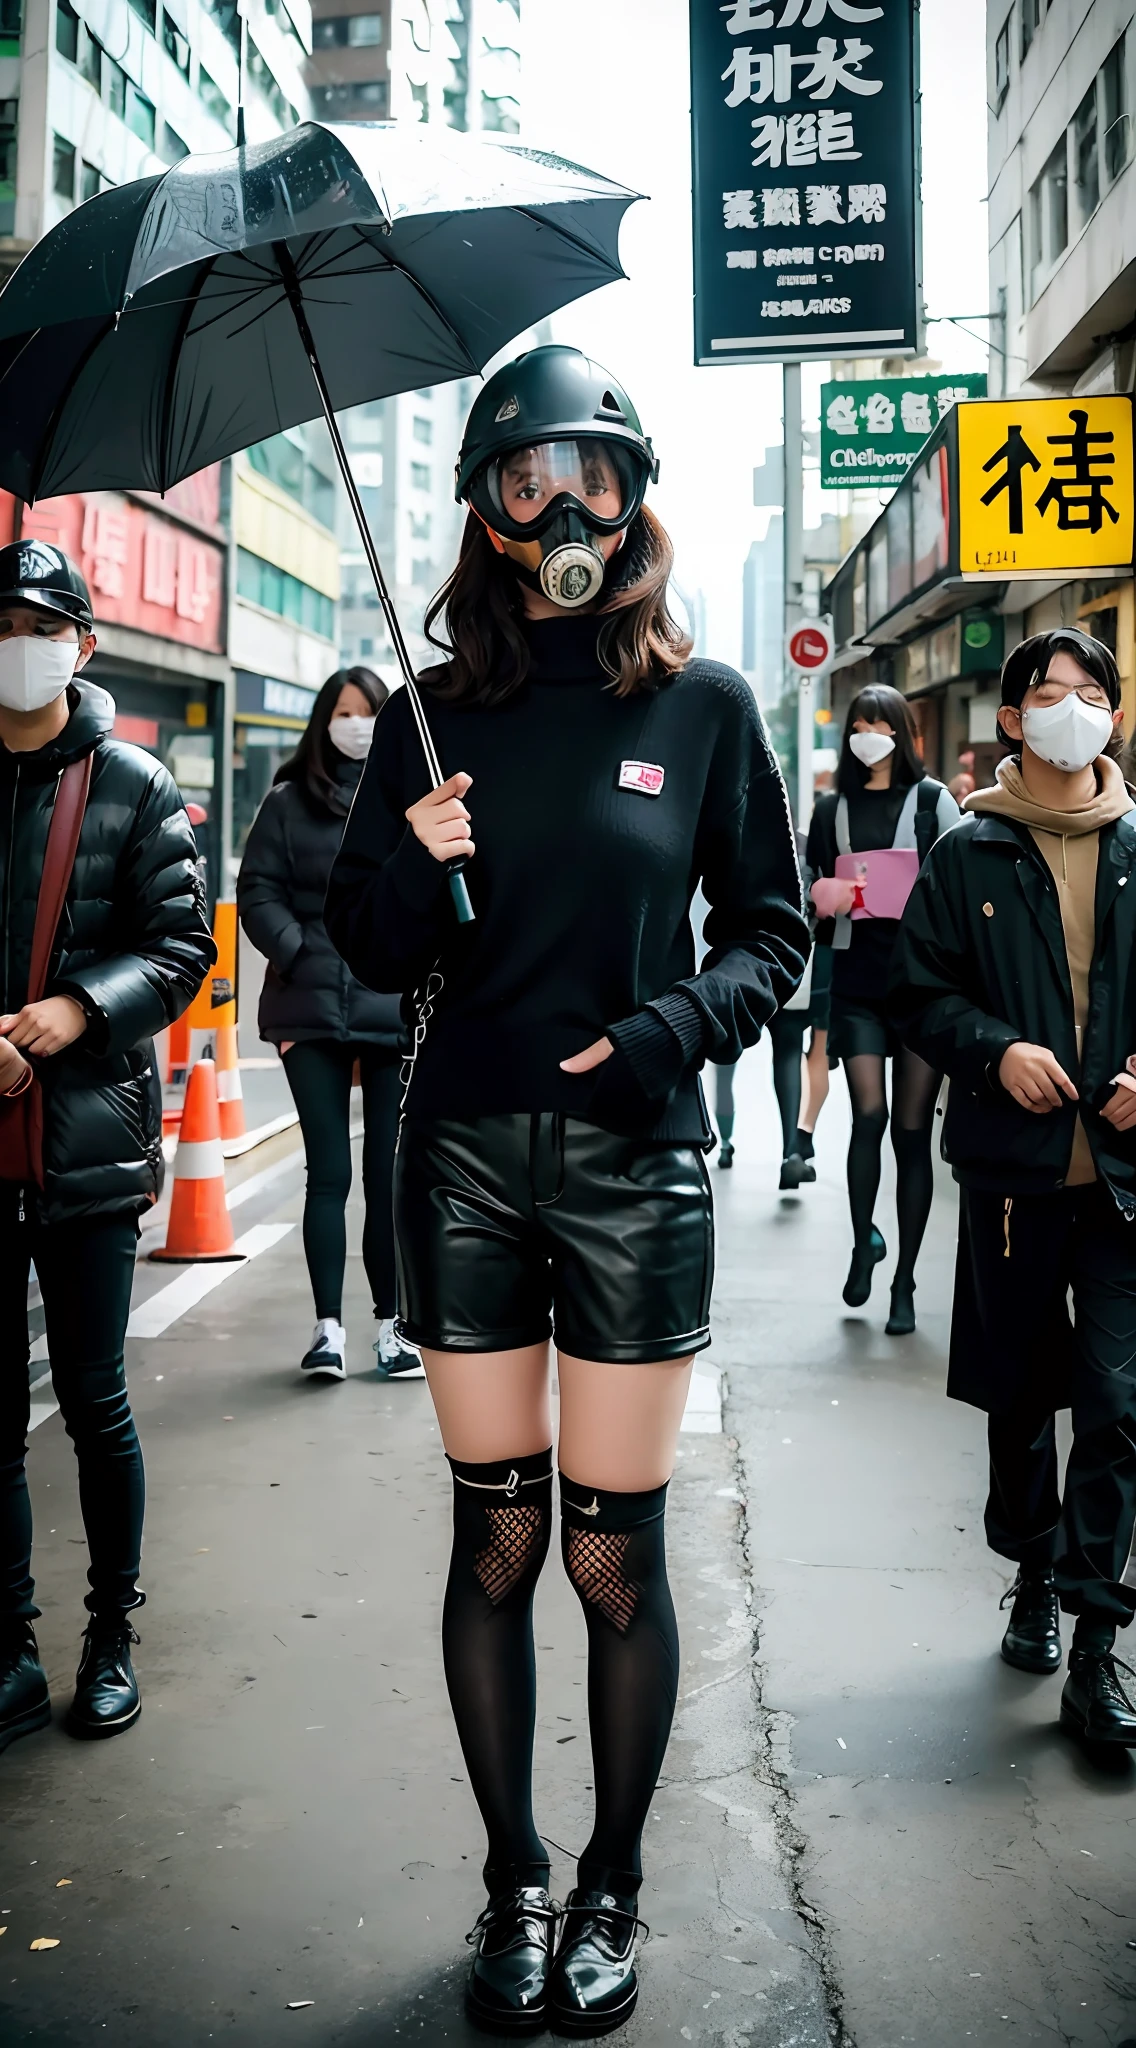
(322, 1019)
(550, 1170)
(883, 804)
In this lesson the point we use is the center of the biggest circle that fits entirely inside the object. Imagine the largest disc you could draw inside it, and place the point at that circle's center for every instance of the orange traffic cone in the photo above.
(230, 1098)
(199, 1225)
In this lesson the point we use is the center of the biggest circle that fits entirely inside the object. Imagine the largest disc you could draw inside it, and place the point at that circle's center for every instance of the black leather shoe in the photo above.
(24, 1703)
(507, 1992)
(901, 1321)
(725, 1154)
(1032, 1641)
(1094, 1703)
(107, 1700)
(792, 1172)
(865, 1259)
(593, 1986)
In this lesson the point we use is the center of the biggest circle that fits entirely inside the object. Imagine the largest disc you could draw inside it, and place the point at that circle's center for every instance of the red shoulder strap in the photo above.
(58, 862)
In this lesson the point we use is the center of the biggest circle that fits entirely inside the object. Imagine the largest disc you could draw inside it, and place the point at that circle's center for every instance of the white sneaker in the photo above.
(327, 1358)
(395, 1359)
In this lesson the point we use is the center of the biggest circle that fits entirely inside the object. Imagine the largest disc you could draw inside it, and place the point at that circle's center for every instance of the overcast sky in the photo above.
(606, 82)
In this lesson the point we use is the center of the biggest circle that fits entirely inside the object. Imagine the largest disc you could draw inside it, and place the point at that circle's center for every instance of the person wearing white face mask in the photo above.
(104, 942)
(323, 1020)
(1014, 973)
(866, 841)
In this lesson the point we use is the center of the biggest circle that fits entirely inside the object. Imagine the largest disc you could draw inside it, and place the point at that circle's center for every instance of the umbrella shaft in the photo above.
(295, 299)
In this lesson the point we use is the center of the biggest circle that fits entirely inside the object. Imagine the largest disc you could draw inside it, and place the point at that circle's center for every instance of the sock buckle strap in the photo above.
(509, 1487)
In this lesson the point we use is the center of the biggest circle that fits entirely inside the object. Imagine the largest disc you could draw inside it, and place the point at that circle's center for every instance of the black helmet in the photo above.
(552, 394)
(37, 573)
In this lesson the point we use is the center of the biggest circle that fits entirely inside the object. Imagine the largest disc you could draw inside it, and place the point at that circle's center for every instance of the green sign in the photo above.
(871, 429)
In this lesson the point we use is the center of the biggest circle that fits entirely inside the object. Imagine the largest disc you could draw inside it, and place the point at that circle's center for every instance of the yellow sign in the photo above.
(1045, 485)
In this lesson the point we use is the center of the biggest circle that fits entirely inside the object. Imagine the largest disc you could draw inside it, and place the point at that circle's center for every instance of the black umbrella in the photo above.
(169, 322)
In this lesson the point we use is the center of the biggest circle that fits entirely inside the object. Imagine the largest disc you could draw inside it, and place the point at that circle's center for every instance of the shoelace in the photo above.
(612, 1914)
(1111, 1665)
(513, 1905)
(1017, 1587)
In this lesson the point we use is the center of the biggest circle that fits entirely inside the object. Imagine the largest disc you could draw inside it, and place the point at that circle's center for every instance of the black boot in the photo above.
(24, 1703)
(726, 1153)
(507, 1990)
(593, 1987)
(1094, 1703)
(106, 1698)
(901, 1321)
(865, 1259)
(1032, 1641)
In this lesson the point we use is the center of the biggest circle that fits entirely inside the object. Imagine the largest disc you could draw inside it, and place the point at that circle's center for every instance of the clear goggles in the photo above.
(522, 491)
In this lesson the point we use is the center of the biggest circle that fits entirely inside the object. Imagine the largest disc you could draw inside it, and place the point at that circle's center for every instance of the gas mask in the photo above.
(34, 672)
(553, 504)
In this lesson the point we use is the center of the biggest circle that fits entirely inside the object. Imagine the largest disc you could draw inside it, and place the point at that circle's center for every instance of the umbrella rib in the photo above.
(175, 362)
(566, 235)
(435, 308)
(57, 409)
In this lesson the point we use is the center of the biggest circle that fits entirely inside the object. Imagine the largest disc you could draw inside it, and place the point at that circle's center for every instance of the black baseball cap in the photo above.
(34, 572)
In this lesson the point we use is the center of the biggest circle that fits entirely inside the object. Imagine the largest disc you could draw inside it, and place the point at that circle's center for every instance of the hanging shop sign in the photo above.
(871, 429)
(144, 570)
(805, 197)
(1044, 484)
(809, 645)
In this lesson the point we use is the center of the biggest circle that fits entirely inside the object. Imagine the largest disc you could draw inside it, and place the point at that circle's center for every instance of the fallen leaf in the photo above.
(62, 1882)
(4, 1930)
(298, 2004)
(43, 1941)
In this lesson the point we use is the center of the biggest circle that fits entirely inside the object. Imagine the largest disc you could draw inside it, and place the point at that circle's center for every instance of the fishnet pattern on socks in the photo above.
(516, 1533)
(595, 1567)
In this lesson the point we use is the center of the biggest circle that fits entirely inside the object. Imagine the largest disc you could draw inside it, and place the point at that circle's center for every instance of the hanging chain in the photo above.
(424, 1005)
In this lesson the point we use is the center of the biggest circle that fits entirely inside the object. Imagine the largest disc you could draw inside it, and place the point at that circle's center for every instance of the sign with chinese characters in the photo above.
(803, 116)
(143, 570)
(1044, 486)
(871, 430)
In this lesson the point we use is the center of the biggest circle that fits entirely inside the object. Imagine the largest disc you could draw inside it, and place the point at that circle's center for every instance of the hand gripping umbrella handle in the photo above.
(291, 282)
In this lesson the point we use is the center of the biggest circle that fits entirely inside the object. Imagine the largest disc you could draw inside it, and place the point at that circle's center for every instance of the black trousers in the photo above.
(319, 1075)
(85, 1271)
(1019, 1262)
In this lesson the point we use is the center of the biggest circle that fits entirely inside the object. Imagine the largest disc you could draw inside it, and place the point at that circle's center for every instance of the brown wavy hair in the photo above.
(639, 643)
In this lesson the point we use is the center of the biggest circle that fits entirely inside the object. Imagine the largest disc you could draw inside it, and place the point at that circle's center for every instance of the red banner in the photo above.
(143, 570)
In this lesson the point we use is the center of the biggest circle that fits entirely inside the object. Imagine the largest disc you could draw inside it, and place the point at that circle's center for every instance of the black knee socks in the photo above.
(502, 1523)
(615, 1556)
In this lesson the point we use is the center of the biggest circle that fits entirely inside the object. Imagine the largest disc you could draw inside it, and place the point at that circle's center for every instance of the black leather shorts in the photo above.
(510, 1226)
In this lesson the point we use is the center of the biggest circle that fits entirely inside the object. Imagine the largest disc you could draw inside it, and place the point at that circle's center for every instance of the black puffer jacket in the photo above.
(308, 991)
(133, 945)
(981, 962)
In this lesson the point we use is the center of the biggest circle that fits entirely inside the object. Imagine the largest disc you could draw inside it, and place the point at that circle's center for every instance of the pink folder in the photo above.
(886, 878)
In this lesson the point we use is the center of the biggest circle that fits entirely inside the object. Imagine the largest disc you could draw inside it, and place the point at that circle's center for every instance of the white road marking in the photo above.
(154, 1317)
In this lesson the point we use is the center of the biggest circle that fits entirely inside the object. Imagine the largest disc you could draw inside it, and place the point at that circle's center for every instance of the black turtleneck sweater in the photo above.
(581, 889)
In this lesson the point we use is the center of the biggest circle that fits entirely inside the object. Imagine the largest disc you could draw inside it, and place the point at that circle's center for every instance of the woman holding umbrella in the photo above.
(550, 1169)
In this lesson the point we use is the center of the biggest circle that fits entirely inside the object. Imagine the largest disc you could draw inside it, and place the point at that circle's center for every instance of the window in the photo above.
(419, 476)
(420, 526)
(146, 10)
(287, 27)
(266, 84)
(319, 495)
(1086, 159)
(367, 97)
(114, 86)
(139, 114)
(174, 44)
(88, 180)
(66, 29)
(10, 16)
(424, 431)
(214, 99)
(1002, 64)
(264, 584)
(1114, 112)
(63, 168)
(90, 59)
(1032, 11)
(364, 31)
(282, 461)
(224, 13)
(170, 146)
(501, 116)
(456, 106)
(422, 573)
(9, 115)
(1048, 218)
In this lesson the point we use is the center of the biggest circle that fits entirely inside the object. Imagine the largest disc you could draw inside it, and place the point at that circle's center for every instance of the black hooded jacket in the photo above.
(309, 992)
(133, 946)
(981, 963)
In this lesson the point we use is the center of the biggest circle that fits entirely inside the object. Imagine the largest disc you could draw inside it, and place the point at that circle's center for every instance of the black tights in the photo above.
(615, 1557)
(319, 1075)
(787, 1044)
(914, 1090)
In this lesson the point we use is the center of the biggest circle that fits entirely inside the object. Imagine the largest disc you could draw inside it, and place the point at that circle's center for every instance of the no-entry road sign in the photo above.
(810, 646)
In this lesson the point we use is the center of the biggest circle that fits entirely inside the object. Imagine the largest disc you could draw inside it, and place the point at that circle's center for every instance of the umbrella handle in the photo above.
(459, 892)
